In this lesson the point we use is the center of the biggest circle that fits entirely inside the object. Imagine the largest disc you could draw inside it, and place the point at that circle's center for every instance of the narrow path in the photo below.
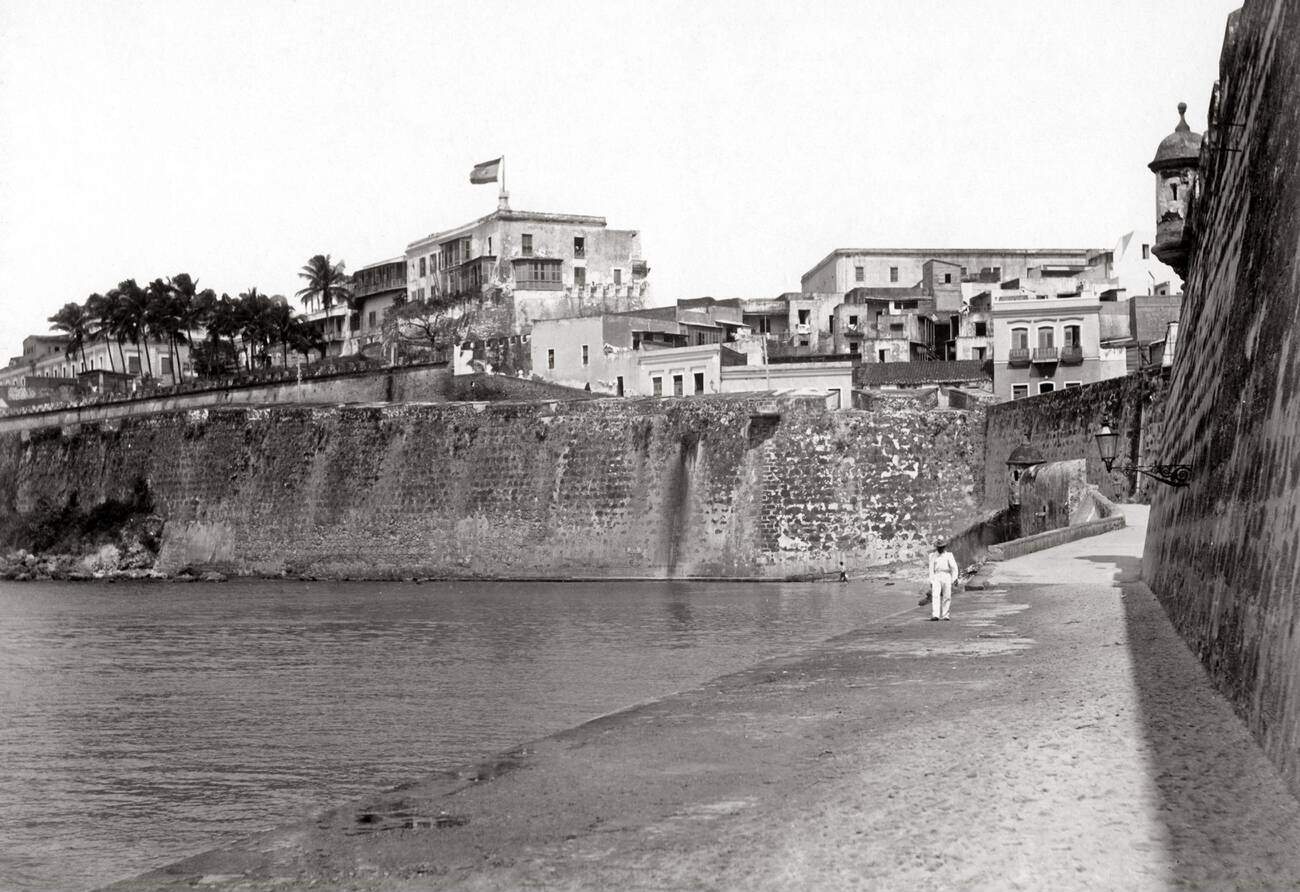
(1056, 734)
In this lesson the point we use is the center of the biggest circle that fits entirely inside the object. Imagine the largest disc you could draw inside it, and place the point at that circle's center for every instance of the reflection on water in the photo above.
(139, 724)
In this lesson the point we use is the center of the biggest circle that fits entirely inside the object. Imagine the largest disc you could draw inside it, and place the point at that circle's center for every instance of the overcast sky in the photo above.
(234, 139)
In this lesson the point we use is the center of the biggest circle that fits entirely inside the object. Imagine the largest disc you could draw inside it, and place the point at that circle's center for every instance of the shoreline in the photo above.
(1058, 728)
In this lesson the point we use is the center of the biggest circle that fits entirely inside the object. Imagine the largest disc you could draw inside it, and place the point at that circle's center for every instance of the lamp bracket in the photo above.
(1173, 475)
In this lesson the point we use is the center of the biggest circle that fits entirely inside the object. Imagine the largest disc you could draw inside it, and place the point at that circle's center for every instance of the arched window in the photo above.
(1071, 338)
(1046, 336)
(1019, 339)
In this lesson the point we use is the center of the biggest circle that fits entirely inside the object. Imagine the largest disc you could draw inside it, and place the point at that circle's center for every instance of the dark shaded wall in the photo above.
(1063, 425)
(1223, 555)
(713, 486)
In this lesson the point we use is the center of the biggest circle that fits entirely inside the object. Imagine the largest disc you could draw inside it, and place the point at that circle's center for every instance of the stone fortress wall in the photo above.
(705, 486)
(1062, 426)
(1223, 555)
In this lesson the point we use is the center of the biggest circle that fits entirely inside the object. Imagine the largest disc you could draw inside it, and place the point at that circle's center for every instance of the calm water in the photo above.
(142, 723)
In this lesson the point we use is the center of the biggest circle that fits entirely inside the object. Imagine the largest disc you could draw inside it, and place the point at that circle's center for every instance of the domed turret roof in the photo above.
(1025, 455)
(1180, 148)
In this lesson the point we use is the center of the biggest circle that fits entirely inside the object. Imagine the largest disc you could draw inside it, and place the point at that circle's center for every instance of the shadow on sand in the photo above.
(1229, 815)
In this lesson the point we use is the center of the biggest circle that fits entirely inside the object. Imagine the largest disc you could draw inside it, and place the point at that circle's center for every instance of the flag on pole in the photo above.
(485, 172)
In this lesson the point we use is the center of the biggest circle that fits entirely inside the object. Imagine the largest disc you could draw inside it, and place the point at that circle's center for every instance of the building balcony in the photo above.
(1071, 355)
(1045, 354)
(1018, 356)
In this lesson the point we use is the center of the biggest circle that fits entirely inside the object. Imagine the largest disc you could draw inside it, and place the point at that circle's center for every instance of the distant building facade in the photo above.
(376, 289)
(48, 356)
(523, 266)
(660, 351)
(1045, 343)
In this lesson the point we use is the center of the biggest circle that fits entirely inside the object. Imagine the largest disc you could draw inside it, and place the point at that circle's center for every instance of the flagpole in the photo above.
(504, 198)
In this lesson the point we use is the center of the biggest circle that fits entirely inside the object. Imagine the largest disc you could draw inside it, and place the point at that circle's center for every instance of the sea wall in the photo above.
(1223, 555)
(1063, 424)
(711, 486)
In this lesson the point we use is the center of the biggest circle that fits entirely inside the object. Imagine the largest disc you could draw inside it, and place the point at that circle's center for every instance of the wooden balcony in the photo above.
(1045, 355)
(1018, 356)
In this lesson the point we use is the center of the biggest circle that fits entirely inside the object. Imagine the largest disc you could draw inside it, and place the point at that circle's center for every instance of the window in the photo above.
(619, 384)
(618, 276)
(133, 365)
(893, 274)
(853, 320)
(1046, 337)
(677, 385)
(370, 319)
(1173, 189)
(981, 329)
(586, 355)
(803, 342)
(1071, 338)
(166, 366)
(579, 276)
(699, 383)
(859, 274)
(657, 385)
(947, 278)
(997, 272)
(526, 245)
(489, 246)
(550, 358)
(1019, 339)
(1046, 386)
(882, 355)
(830, 324)
(1146, 255)
(1070, 385)
(853, 347)
(963, 272)
(1019, 391)
(833, 398)
(422, 266)
(977, 353)
(579, 246)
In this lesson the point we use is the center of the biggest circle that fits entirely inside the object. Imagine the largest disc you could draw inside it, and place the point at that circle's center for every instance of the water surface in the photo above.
(143, 723)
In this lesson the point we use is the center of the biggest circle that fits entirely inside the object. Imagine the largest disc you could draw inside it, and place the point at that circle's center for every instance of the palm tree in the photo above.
(163, 321)
(99, 312)
(130, 316)
(223, 321)
(73, 319)
(194, 307)
(305, 337)
(253, 315)
(325, 281)
(279, 321)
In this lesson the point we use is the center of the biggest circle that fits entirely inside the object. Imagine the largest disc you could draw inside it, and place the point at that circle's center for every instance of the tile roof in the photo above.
(874, 374)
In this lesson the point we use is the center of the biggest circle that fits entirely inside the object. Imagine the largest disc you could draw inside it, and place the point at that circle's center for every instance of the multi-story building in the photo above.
(47, 356)
(847, 268)
(375, 290)
(661, 351)
(1044, 343)
(523, 266)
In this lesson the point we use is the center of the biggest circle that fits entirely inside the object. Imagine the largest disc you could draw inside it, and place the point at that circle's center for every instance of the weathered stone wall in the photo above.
(699, 486)
(1062, 425)
(1223, 555)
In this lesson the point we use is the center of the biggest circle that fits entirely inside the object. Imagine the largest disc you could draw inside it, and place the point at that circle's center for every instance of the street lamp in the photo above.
(1108, 446)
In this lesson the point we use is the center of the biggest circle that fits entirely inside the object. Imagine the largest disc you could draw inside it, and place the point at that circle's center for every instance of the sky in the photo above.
(744, 140)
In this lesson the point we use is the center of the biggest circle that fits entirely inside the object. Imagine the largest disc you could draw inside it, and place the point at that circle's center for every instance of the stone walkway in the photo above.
(1055, 734)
